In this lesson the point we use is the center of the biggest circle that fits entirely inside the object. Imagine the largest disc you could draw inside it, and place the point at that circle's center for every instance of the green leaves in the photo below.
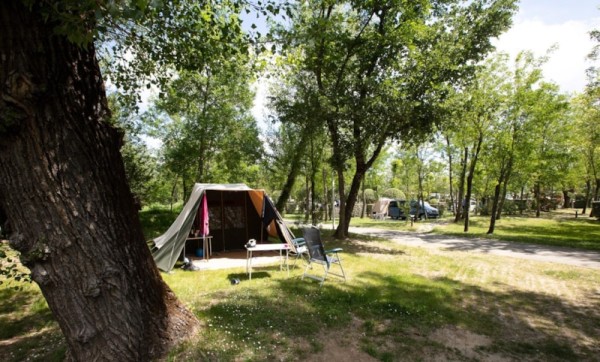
(11, 268)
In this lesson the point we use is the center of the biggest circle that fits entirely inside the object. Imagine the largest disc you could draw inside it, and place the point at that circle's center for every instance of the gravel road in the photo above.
(577, 257)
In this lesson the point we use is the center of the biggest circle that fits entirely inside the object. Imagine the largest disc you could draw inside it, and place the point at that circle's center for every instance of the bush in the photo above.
(510, 207)
(393, 193)
(370, 196)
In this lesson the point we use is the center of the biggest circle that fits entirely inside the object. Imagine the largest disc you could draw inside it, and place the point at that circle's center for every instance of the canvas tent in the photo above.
(380, 208)
(231, 213)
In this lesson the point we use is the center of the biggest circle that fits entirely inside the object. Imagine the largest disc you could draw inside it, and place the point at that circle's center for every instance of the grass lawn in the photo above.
(399, 303)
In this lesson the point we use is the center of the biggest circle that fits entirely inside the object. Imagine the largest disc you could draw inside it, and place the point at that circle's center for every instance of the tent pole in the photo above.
(246, 212)
(262, 218)
(222, 221)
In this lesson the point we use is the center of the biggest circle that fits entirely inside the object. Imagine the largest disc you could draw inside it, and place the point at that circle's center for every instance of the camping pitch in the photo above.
(230, 213)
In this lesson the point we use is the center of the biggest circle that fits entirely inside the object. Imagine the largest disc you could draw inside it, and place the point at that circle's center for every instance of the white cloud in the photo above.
(568, 63)
(259, 106)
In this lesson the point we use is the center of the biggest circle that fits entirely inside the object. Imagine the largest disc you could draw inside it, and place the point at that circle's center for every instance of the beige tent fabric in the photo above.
(381, 206)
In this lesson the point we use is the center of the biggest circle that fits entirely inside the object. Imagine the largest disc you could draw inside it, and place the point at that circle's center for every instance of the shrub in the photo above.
(393, 193)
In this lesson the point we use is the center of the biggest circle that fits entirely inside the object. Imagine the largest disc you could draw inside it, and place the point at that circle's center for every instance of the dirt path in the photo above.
(582, 258)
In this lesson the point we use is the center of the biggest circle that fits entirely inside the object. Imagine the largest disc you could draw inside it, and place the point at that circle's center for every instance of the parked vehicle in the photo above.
(423, 208)
(396, 209)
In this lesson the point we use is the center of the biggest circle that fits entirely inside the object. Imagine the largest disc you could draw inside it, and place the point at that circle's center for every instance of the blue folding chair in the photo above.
(318, 255)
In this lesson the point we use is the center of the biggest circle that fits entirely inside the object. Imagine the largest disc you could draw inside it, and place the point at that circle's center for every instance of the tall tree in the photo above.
(479, 109)
(381, 69)
(211, 135)
(515, 131)
(586, 119)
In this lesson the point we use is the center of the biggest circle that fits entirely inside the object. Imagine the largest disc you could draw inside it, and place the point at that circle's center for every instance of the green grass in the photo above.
(396, 304)
(581, 233)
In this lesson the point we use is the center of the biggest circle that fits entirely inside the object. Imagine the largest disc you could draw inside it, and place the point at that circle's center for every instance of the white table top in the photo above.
(266, 247)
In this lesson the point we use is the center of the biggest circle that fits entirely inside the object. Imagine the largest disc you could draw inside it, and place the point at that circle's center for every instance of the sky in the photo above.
(539, 24)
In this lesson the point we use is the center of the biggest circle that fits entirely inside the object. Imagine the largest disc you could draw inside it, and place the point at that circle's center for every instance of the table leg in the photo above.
(249, 264)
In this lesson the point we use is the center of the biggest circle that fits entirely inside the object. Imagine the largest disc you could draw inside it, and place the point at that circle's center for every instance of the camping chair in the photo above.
(297, 246)
(318, 255)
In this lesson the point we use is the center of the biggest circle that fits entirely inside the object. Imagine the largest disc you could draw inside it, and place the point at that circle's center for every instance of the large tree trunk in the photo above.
(64, 190)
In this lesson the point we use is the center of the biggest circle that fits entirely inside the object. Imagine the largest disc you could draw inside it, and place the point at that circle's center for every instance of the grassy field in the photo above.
(399, 303)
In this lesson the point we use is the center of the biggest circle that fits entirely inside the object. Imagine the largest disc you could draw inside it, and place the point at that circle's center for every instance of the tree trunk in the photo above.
(450, 173)
(307, 199)
(494, 208)
(313, 186)
(325, 198)
(363, 209)
(461, 186)
(588, 185)
(65, 192)
(421, 201)
(342, 230)
(351, 199)
(472, 166)
(295, 166)
(506, 178)
(538, 198)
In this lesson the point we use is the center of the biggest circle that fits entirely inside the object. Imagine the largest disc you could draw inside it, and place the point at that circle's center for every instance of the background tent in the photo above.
(236, 213)
(381, 206)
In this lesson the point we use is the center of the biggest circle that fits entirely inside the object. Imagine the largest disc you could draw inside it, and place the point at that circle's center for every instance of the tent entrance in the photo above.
(236, 213)
(233, 220)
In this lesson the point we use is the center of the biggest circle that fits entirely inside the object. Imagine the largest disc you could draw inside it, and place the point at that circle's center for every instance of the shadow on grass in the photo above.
(28, 330)
(287, 319)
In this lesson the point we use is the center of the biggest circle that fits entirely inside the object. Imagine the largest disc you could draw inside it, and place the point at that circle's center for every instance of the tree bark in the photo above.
(65, 193)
